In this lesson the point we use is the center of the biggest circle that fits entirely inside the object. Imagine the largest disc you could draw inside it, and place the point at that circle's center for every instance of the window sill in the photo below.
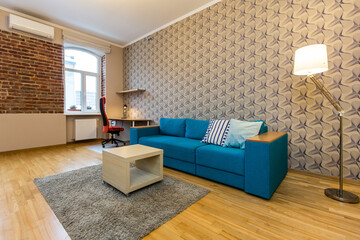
(82, 114)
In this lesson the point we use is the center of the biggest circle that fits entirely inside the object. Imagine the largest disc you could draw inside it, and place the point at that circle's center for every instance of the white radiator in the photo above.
(85, 129)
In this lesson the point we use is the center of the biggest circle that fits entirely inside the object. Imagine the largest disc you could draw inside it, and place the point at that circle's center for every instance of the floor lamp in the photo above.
(310, 60)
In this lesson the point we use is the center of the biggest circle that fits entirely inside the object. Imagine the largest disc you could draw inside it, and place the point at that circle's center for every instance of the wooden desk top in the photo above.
(129, 119)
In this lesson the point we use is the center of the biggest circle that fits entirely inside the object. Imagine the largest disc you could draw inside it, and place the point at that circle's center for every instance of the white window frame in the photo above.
(84, 110)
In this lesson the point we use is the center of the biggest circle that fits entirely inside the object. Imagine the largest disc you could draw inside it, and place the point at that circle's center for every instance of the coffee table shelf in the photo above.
(117, 170)
(139, 177)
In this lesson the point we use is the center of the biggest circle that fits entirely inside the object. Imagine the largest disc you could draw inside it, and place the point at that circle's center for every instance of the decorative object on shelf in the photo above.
(124, 111)
(310, 60)
(131, 91)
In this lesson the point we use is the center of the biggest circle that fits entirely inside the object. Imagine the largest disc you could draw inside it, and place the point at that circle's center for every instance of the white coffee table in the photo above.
(117, 170)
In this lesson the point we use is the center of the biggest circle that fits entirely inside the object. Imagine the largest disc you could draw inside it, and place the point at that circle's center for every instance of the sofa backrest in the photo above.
(263, 128)
(196, 129)
(173, 126)
(190, 128)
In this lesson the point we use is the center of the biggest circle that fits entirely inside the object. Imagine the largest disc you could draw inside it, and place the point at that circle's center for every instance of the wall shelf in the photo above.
(131, 91)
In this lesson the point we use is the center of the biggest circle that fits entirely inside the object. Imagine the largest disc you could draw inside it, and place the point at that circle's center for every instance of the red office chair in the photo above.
(109, 129)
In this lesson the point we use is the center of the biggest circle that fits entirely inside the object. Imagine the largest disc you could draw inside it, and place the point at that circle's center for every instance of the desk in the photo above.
(132, 120)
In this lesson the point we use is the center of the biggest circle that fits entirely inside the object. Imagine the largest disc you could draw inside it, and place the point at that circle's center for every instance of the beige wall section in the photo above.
(4, 25)
(114, 102)
(114, 81)
(20, 131)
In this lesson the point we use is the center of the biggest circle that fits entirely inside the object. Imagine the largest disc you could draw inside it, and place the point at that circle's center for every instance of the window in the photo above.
(82, 81)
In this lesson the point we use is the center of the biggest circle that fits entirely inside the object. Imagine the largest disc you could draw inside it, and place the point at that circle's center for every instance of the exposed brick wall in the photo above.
(31, 75)
(103, 76)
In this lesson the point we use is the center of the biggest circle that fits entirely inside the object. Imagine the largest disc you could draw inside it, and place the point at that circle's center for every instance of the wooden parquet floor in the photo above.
(298, 209)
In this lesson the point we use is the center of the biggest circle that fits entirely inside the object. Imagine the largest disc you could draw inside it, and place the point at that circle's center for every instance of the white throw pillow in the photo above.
(239, 131)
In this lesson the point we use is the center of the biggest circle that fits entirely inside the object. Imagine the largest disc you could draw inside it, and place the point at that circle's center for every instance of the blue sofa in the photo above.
(258, 169)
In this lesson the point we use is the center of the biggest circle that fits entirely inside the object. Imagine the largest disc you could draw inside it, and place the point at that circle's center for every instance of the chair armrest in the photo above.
(141, 131)
(266, 163)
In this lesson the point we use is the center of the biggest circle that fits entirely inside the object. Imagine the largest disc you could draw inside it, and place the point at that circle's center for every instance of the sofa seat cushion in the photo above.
(174, 147)
(225, 159)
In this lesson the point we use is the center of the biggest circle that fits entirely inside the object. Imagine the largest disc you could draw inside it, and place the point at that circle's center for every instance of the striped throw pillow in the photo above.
(216, 132)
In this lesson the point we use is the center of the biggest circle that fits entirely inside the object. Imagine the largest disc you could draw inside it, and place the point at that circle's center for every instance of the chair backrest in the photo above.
(103, 114)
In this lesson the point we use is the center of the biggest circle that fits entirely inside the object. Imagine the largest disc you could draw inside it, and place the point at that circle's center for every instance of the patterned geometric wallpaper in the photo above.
(235, 60)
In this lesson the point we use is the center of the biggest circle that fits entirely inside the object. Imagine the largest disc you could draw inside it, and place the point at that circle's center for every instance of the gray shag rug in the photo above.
(90, 209)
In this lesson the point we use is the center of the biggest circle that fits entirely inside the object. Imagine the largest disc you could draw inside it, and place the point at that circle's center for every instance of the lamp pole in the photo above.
(341, 181)
(337, 194)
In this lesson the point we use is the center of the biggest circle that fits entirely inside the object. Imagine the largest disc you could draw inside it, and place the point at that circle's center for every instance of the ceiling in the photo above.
(119, 21)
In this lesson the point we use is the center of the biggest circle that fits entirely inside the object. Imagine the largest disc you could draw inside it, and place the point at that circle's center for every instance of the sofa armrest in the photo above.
(266, 163)
(151, 126)
(141, 131)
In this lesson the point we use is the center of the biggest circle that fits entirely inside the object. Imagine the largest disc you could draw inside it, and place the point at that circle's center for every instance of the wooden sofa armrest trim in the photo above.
(266, 137)
(146, 126)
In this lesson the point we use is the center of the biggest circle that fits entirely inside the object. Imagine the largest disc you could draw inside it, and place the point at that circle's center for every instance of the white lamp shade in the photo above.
(310, 60)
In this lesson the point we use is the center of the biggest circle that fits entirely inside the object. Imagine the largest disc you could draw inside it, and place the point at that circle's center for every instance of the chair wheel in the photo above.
(103, 146)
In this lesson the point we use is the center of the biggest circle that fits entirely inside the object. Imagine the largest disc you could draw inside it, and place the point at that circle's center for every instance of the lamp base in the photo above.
(347, 197)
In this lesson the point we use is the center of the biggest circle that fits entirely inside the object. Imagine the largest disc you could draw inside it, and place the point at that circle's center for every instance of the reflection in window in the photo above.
(73, 91)
(82, 85)
(91, 93)
(80, 60)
